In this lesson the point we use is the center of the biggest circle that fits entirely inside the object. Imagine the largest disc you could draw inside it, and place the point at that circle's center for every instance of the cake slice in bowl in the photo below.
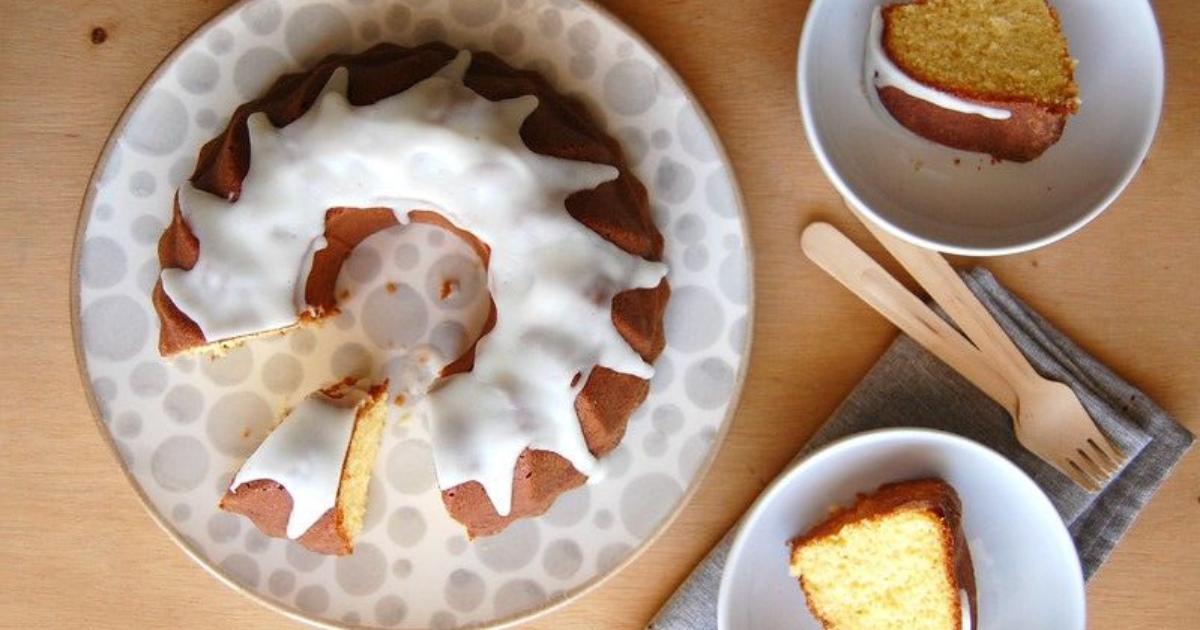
(990, 76)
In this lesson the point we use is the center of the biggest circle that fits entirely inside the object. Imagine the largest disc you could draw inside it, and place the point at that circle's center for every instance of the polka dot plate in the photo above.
(182, 426)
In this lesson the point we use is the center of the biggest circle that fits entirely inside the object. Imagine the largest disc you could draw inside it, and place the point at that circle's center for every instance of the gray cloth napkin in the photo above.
(910, 387)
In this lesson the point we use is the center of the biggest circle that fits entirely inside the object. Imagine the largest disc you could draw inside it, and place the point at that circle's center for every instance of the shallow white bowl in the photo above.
(1027, 572)
(914, 189)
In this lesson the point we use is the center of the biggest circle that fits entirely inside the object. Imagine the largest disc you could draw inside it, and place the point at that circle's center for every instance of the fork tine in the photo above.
(1114, 450)
(1098, 473)
(1105, 461)
(1095, 481)
(1097, 457)
(1081, 478)
(1065, 465)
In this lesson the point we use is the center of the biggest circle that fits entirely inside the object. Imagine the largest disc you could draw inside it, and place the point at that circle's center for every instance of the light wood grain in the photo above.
(77, 550)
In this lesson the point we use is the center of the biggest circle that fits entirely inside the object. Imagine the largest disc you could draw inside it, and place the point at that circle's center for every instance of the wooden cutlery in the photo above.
(1048, 418)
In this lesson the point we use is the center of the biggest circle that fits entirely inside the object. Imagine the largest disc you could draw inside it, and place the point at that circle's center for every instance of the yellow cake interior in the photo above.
(998, 49)
(890, 571)
(360, 459)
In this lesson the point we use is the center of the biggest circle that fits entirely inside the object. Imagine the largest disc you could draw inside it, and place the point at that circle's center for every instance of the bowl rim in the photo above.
(848, 194)
(1055, 532)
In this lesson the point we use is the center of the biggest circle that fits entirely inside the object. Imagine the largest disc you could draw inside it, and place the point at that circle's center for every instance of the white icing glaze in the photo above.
(304, 454)
(880, 71)
(964, 606)
(436, 146)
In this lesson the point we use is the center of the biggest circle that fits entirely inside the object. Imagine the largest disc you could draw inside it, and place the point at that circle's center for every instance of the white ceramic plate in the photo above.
(1027, 573)
(182, 426)
(915, 189)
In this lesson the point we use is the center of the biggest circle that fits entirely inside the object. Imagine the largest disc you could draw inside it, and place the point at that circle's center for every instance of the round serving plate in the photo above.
(182, 426)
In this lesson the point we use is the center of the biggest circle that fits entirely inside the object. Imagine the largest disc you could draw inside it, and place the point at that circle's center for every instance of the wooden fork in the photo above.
(1049, 420)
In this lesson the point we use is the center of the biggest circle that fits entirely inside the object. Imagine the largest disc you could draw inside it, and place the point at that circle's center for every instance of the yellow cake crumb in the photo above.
(360, 458)
(881, 573)
(989, 49)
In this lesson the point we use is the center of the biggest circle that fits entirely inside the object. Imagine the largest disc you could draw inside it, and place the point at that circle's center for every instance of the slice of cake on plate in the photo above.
(308, 479)
(897, 558)
(990, 76)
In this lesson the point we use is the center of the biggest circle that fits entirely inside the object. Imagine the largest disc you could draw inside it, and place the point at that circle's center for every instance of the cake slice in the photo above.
(308, 479)
(895, 559)
(991, 76)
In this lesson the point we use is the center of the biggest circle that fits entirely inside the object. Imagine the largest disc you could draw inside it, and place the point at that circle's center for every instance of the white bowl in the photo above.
(914, 189)
(1027, 572)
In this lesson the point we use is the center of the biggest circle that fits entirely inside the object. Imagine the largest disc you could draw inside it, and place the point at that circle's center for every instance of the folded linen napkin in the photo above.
(910, 387)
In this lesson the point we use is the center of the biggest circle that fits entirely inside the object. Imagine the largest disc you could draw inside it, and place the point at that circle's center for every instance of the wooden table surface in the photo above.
(77, 549)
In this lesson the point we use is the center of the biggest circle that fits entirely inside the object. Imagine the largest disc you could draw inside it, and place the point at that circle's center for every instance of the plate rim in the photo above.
(569, 597)
(848, 194)
(930, 436)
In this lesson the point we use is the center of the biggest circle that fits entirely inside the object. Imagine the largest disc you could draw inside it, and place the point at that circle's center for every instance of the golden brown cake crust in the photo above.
(932, 495)
(560, 126)
(1022, 137)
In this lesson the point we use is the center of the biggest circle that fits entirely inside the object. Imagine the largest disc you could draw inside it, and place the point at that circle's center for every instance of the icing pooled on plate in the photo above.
(880, 71)
(304, 454)
(441, 147)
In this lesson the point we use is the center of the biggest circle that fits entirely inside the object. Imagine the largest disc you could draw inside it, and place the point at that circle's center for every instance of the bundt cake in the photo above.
(308, 479)
(363, 142)
(990, 76)
(897, 558)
